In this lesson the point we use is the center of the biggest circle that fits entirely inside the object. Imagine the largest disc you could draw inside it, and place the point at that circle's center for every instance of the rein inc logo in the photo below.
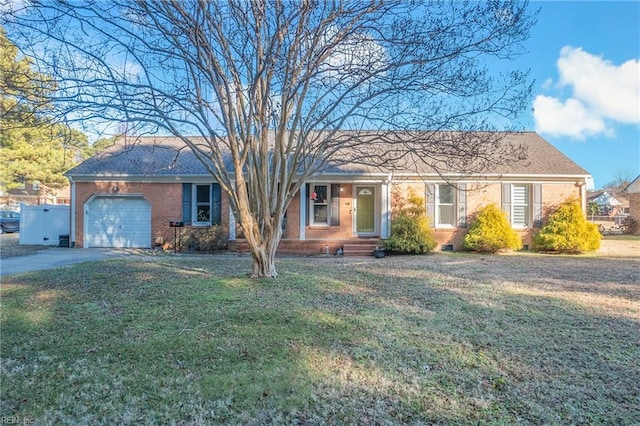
(16, 420)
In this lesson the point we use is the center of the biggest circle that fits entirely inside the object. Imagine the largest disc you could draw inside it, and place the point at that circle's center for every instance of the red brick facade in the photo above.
(634, 210)
(165, 200)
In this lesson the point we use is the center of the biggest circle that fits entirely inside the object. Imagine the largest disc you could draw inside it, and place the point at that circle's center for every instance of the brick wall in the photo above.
(166, 205)
(165, 200)
(634, 209)
(342, 231)
(292, 230)
(479, 195)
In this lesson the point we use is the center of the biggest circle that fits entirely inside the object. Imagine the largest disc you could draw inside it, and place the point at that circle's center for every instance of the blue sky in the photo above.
(585, 59)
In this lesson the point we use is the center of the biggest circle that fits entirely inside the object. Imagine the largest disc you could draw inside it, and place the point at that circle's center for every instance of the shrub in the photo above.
(491, 232)
(205, 240)
(568, 231)
(410, 232)
(629, 225)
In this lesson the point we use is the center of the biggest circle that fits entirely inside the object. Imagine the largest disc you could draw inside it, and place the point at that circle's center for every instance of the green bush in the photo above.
(491, 232)
(410, 232)
(568, 231)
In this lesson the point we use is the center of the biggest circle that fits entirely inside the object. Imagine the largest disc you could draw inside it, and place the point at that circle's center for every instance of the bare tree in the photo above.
(286, 88)
(621, 179)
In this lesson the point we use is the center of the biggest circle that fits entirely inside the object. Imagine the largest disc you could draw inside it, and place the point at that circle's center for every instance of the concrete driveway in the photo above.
(56, 258)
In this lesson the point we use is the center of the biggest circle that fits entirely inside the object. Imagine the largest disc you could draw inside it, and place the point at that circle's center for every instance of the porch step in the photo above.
(362, 247)
(351, 247)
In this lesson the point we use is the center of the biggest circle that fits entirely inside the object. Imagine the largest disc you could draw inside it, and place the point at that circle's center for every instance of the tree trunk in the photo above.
(264, 264)
(263, 250)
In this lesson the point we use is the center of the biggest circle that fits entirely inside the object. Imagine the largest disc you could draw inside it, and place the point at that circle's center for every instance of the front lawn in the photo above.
(447, 338)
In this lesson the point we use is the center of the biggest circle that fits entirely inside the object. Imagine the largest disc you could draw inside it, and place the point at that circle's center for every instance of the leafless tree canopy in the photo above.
(286, 87)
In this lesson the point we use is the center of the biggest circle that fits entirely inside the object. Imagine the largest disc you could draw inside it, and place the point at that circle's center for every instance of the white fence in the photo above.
(43, 224)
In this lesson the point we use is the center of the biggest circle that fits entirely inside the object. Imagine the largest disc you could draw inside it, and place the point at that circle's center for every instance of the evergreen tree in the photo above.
(410, 232)
(491, 232)
(568, 231)
(34, 148)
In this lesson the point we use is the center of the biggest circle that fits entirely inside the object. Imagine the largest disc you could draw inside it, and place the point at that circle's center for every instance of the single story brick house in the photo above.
(633, 192)
(128, 195)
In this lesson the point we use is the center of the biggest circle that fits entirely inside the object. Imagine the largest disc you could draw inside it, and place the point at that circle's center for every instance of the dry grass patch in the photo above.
(438, 339)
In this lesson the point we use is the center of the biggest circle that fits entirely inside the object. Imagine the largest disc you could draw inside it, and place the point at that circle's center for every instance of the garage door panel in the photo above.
(121, 222)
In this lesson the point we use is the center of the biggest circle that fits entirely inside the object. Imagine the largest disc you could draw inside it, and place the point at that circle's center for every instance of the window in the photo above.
(520, 206)
(447, 205)
(523, 204)
(319, 205)
(201, 205)
(445, 213)
(35, 186)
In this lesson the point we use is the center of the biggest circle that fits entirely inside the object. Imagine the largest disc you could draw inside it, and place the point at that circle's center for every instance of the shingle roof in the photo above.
(543, 158)
(142, 156)
(152, 156)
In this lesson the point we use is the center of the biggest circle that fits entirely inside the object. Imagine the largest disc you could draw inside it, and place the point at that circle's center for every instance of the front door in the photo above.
(365, 206)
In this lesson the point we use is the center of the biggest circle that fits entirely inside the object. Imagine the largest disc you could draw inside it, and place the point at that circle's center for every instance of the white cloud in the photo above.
(353, 56)
(548, 83)
(601, 95)
(569, 118)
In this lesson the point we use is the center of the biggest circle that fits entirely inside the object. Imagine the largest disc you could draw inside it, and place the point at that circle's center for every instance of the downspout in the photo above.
(72, 227)
(582, 185)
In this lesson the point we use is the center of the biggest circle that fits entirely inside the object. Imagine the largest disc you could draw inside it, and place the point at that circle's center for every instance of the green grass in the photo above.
(430, 339)
(622, 237)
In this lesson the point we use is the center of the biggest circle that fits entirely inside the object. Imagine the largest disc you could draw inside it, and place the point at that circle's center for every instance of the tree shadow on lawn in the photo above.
(555, 354)
(326, 342)
(606, 276)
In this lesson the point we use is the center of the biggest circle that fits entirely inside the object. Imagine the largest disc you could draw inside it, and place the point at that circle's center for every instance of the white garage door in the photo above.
(118, 222)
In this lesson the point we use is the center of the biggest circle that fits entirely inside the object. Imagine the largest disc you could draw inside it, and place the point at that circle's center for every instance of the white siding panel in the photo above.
(120, 222)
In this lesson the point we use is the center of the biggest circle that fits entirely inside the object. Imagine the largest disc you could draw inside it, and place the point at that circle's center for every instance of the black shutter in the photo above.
(186, 203)
(216, 204)
(335, 204)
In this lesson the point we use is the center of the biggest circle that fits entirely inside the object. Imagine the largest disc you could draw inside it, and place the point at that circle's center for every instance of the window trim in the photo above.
(193, 205)
(326, 203)
(454, 206)
(196, 204)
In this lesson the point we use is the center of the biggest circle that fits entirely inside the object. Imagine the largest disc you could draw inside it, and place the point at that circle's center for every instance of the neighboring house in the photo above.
(127, 195)
(609, 205)
(633, 192)
(34, 194)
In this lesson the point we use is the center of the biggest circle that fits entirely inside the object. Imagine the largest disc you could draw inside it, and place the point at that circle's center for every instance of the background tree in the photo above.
(593, 209)
(34, 148)
(285, 89)
(621, 179)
